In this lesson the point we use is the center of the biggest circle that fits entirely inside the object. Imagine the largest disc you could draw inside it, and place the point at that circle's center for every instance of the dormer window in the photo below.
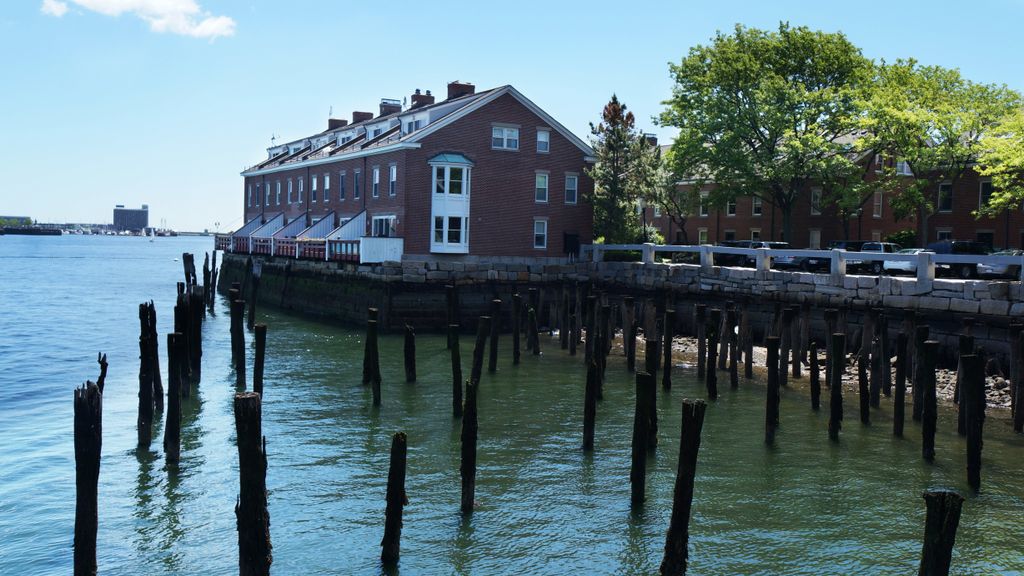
(504, 138)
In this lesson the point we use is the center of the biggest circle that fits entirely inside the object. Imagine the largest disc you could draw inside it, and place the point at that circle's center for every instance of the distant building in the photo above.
(131, 219)
(16, 220)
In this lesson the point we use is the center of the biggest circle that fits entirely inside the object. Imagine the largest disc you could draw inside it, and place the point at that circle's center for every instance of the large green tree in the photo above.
(764, 113)
(932, 119)
(1001, 157)
(625, 172)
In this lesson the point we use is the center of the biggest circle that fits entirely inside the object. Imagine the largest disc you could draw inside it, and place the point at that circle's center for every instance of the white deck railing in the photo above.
(377, 249)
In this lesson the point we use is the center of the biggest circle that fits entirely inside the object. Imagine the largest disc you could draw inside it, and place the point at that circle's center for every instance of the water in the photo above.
(806, 506)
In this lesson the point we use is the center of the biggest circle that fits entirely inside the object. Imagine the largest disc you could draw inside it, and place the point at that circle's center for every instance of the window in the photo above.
(756, 206)
(312, 188)
(300, 190)
(248, 201)
(327, 187)
(375, 188)
(984, 193)
(448, 230)
(657, 211)
(290, 201)
(503, 138)
(730, 235)
(943, 234)
(814, 242)
(755, 234)
(879, 163)
(449, 179)
(267, 193)
(815, 201)
(876, 205)
(449, 208)
(704, 204)
(540, 234)
(945, 203)
(409, 127)
(543, 141)
(392, 180)
(876, 235)
(730, 207)
(357, 189)
(259, 194)
(383, 226)
(375, 132)
(702, 236)
(571, 188)
(278, 199)
(541, 189)
(341, 186)
(903, 169)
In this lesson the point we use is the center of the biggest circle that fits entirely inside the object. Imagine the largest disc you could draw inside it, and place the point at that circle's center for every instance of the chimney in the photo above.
(333, 123)
(390, 106)
(358, 117)
(456, 89)
(421, 99)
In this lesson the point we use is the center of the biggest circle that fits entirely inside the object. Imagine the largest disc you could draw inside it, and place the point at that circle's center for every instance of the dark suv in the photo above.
(959, 247)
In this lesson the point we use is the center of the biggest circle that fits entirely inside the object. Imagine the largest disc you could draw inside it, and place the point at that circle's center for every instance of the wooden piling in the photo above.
(532, 327)
(651, 358)
(652, 348)
(815, 376)
(534, 332)
(449, 306)
(369, 369)
(734, 377)
(456, 355)
(483, 328)
(836, 370)
(172, 425)
(700, 321)
(920, 335)
(929, 410)
(941, 521)
(237, 336)
(638, 467)
(885, 349)
(396, 500)
(900, 387)
(253, 294)
(154, 357)
(771, 414)
(468, 439)
(88, 430)
(564, 327)
(590, 406)
(573, 337)
(666, 369)
(517, 313)
(863, 361)
(973, 397)
(748, 342)
(409, 354)
(724, 335)
(144, 424)
(253, 518)
(795, 343)
(876, 361)
(677, 539)
(785, 344)
(492, 360)
(629, 331)
(831, 324)
(711, 330)
(261, 354)
(804, 338)
(195, 337)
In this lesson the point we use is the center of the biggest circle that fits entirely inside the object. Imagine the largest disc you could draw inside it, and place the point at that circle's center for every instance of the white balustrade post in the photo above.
(925, 271)
(838, 267)
(648, 253)
(597, 255)
(762, 260)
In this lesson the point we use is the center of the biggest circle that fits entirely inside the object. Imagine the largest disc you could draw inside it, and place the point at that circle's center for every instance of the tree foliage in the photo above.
(1001, 157)
(764, 113)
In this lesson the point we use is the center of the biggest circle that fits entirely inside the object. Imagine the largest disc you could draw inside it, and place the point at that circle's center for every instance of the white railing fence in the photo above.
(377, 249)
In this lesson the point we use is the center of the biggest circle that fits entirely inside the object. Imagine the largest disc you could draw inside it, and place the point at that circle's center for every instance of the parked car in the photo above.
(873, 266)
(777, 261)
(895, 267)
(958, 247)
(1001, 270)
(732, 259)
(824, 263)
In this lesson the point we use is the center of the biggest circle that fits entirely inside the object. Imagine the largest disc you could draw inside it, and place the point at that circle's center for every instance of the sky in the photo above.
(164, 102)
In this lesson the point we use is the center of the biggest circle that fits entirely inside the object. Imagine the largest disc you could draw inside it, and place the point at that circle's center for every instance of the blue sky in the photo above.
(163, 102)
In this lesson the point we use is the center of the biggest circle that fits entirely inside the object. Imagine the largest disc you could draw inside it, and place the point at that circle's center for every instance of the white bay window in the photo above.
(449, 206)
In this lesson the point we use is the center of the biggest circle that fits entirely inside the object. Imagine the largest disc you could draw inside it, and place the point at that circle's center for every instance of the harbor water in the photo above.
(804, 506)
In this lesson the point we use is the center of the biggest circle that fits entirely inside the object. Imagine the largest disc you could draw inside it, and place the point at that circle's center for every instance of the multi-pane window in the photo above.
(984, 193)
(312, 188)
(327, 187)
(357, 188)
(504, 138)
(300, 190)
(702, 236)
(541, 188)
(755, 234)
(903, 169)
(450, 208)
(341, 186)
(277, 199)
(375, 189)
(266, 193)
(290, 200)
(572, 183)
(756, 206)
(657, 211)
(384, 226)
(392, 180)
(248, 201)
(449, 179)
(540, 233)
(730, 207)
(704, 211)
(815, 201)
(943, 234)
(259, 194)
(543, 140)
(876, 205)
(448, 229)
(945, 197)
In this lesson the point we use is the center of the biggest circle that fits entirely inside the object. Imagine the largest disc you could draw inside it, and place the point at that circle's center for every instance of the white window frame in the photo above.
(702, 236)
(248, 202)
(943, 234)
(537, 187)
(703, 210)
(546, 141)
(357, 184)
(341, 185)
(657, 211)
(903, 168)
(575, 188)
(291, 193)
(755, 231)
(756, 206)
(392, 180)
(375, 183)
(879, 163)
(938, 202)
(730, 208)
(300, 189)
(312, 188)
(814, 239)
(278, 202)
(259, 194)
(543, 233)
(504, 137)
(377, 226)
(446, 205)
(876, 235)
(815, 201)
(877, 204)
(327, 187)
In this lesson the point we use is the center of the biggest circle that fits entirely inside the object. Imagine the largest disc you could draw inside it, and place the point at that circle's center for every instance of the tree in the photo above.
(1001, 157)
(768, 112)
(677, 188)
(932, 119)
(626, 168)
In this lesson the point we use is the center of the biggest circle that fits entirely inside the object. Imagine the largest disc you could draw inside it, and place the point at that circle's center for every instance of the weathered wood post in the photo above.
(534, 331)
(785, 344)
(483, 328)
(724, 335)
(369, 347)
(650, 398)
(804, 338)
(734, 377)
(590, 406)
(468, 439)
(863, 361)
(88, 402)
(815, 375)
(254, 548)
(172, 425)
(771, 414)
(628, 320)
(651, 358)
(831, 322)
(974, 403)
(590, 315)
(835, 371)
(678, 536)
(456, 354)
(711, 377)
(795, 342)
(409, 354)
(258, 361)
(965, 348)
(517, 318)
(253, 294)
(492, 360)
(666, 374)
(929, 410)
(900, 394)
(449, 305)
(533, 304)
(238, 342)
(154, 357)
(920, 335)
(396, 500)
(700, 321)
(748, 341)
(145, 420)
(885, 349)
(195, 340)
(876, 361)
(563, 320)
(941, 521)
(638, 467)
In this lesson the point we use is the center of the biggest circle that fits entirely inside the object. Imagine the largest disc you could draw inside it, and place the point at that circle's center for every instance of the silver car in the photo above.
(898, 267)
(1001, 270)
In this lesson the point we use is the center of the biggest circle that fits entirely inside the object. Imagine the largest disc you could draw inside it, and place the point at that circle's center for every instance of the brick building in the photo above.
(480, 174)
(815, 223)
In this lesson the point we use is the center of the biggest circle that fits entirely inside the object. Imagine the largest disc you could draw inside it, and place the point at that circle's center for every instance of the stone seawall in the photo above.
(413, 292)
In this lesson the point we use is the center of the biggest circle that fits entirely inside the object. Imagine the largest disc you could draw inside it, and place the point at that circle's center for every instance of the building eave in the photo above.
(332, 159)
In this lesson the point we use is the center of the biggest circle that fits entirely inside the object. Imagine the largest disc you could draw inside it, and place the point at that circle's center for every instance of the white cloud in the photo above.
(183, 17)
(54, 8)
